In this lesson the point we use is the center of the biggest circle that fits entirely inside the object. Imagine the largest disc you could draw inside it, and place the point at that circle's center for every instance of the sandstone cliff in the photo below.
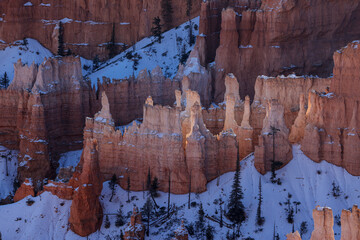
(86, 211)
(350, 224)
(83, 20)
(323, 224)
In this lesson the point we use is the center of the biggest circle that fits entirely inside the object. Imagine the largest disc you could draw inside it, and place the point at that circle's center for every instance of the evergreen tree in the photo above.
(119, 218)
(121, 235)
(154, 187)
(147, 209)
(5, 81)
(61, 40)
(303, 228)
(274, 164)
(209, 232)
(167, 11)
(128, 188)
(107, 222)
(200, 223)
(236, 212)
(259, 219)
(189, 191)
(188, 7)
(112, 185)
(221, 214)
(25, 42)
(156, 29)
(96, 62)
(168, 209)
(111, 47)
(184, 55)
(148, 181)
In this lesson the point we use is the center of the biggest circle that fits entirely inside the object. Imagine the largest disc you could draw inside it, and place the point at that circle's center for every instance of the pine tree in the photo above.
(209, 232)
(112, 185)
(168, 209)
(61, 40)
(184, 55)
(107, 222)
(121, 235)
(167, 11)
(148, 207)
(156, 29)
(111, 47)
(154, 187)
(5, 81)
(221, 214)
(259, 219)
(119, 218)
(96, 62)
(148, 181)
(128, 188)
(200, 223)
(274, 164)
(188, 7)
(25, 42)
(189, 191)
(236, 212)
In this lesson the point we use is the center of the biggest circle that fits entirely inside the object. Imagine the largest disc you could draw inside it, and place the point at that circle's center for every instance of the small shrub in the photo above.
(338, 220)
(30, 202)
(303, 228)
(318, 172)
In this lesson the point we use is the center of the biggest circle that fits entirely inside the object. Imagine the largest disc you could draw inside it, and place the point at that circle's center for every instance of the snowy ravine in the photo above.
(166, 54)
(309, 183)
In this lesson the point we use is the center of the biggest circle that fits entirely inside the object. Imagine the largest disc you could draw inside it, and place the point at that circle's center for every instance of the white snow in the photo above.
(165, 54)
(33, 52)
(69, 159)
(308, 182)
(7, 180)
(28, 4)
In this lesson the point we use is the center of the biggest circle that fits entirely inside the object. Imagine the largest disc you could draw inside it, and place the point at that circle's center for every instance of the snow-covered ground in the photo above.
(166, 54)
(69, 159)
(8, 171)
(308, 182)
(32, 52)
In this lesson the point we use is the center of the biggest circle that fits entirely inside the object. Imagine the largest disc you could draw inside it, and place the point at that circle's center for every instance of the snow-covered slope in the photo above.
(8, 171)
(166, 54)
(308, 182)
(32, 52)
(69, 159)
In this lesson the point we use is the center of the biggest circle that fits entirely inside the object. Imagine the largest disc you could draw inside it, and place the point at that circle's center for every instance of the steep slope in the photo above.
(167, 55)
(308, 182)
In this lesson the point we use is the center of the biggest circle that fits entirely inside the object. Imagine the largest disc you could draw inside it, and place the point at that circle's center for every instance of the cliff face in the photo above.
(331, 131)
(45, 112)
(86, 211)
(323, 224)
(83, 20)
(350, 224)
(254, 38)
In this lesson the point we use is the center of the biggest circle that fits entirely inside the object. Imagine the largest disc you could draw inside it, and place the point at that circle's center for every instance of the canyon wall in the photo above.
(331, 132)
(88, 25)
(263, 38)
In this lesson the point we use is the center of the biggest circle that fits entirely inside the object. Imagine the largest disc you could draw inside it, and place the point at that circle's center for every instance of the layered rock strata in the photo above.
(253, 38)
(274, 146)
(331, 131)
(323, 224)
(86, 211)
(126, 21)
(135, 228)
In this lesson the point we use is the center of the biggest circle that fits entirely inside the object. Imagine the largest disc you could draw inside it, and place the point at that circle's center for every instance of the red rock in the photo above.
(60, 189)
(83, 20)
(264, 152)
(86, 211)
(350, 224)
(135, 228)
(181, 233)
(323, 224)
(26, 189)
